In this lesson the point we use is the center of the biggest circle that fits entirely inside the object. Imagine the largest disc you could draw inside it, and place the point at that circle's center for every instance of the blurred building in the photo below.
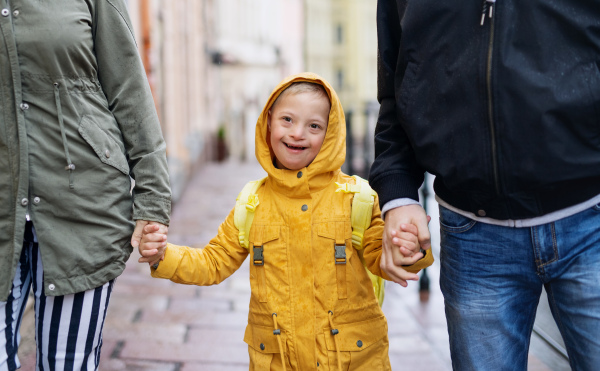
(211, 65)
(341, 45)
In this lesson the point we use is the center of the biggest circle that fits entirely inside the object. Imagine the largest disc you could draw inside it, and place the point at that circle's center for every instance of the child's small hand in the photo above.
(407, 242)
(153, 243)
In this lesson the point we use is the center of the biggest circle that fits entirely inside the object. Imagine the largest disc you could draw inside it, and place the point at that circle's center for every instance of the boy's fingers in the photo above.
(151, 228)
(154, 237)
(409, 228)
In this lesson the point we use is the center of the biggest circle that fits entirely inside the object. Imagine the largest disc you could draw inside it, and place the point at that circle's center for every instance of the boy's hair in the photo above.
(301, 87)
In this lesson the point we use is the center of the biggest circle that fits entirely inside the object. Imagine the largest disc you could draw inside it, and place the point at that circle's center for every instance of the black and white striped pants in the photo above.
(68, 328)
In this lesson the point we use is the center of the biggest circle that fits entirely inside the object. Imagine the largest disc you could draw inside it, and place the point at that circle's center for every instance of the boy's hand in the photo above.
(153, 243)
(392, 259)
(407, 242)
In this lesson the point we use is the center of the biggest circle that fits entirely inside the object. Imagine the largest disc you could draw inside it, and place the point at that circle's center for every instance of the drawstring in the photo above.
(70, 166)
(335, 340)
(277, 332)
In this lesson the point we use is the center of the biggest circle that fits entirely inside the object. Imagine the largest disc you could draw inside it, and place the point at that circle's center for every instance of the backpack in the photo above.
(362, 209)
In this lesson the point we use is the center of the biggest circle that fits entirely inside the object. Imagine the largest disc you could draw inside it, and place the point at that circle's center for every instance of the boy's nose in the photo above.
(297, 131)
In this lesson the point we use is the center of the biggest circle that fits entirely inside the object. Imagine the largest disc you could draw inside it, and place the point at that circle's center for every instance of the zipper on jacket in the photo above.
(488, 6)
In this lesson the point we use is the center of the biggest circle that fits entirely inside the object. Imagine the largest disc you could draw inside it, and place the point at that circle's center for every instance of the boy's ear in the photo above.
(269, 120)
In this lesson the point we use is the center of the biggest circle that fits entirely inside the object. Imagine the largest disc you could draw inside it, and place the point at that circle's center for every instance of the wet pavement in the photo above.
(157, 325)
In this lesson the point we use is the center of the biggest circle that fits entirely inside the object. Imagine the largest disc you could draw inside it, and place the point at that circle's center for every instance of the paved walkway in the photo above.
(157, 325)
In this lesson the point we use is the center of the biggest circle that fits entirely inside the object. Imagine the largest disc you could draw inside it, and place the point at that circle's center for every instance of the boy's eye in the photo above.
(315, 126)
(286, 118)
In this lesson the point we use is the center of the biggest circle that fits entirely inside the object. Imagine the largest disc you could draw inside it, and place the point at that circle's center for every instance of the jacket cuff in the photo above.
(422, 263)
(168, 266)
(150, 208)
(394, 186)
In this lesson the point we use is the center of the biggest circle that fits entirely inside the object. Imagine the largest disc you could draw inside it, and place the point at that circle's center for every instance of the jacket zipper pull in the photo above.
(487, 5)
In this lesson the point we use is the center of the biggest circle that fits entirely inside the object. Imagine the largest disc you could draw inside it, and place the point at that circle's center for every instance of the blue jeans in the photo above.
(492, 278)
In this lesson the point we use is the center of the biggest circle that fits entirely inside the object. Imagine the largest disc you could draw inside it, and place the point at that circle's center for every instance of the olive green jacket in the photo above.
(77, 119)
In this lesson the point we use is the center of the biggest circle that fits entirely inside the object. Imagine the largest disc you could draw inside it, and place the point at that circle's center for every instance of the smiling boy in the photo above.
(309, 308)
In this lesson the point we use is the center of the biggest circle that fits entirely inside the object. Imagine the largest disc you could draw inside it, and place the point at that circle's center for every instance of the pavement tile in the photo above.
(164, 351)
(193, 366)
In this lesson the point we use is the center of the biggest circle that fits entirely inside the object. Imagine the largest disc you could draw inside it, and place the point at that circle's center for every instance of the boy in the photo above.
(312, 305)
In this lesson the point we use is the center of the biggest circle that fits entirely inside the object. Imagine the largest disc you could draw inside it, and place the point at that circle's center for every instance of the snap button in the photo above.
(24, 202)
(318, 364)
(16, 13)
(299, 175)
(359, 344)
(107, 153)
(24, 106)
(36, 200)
(304, 207)
(5, 12)
(262, 346)
(481, 212)
(51, 287)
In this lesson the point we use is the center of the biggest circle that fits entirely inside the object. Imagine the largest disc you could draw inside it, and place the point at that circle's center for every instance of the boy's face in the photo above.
(298, 124)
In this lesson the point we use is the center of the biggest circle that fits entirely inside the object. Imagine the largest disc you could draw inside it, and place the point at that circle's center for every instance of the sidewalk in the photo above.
(156, 325)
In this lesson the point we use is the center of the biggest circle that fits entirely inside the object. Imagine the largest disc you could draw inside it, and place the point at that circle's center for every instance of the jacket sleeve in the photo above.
(373, 247)
(208, 266)
(395, 172)
(123, 80)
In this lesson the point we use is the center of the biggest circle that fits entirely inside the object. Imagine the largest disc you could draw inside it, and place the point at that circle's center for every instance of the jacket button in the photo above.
(51, 287)
(24, 202)
(359, 344)
(107, 153)
(24, 106)
(262, 346)
(16, 13)
(36, 200)
(318, 364)
(299, 175)
(481, 212)
(5, 12)
(304, 207)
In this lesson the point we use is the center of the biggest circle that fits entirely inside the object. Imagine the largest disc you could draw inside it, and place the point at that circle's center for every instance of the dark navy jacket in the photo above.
(505, 114)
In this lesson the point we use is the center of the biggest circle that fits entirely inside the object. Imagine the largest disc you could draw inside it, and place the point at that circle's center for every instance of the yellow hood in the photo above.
(333, 152)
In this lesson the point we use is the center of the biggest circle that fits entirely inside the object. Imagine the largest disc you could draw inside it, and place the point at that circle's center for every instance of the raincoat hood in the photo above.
(332, 155)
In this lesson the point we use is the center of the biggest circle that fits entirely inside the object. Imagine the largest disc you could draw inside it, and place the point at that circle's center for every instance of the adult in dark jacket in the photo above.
(501, 102)
(77, 119)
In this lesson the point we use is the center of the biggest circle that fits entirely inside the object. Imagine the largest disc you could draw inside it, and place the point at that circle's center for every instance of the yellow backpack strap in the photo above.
(362, 208)
(245, 205)
(362, 211)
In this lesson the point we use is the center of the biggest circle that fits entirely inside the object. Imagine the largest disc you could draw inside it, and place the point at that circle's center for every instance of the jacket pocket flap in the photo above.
(262, 339)
(329, 229)
(261, 234)
(105, 147)
(357, 336)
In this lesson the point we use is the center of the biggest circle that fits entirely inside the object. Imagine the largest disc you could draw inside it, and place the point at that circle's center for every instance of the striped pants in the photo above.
(68, 328)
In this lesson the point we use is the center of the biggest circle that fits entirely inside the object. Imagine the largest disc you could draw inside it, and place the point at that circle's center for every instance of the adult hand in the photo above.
(137, 237)
(392, 258)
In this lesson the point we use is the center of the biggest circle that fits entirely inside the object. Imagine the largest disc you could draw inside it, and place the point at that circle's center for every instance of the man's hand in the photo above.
(154, 253)
(392, 257)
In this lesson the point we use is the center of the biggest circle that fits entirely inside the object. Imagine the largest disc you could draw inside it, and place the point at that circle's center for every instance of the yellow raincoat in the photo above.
(299, 290)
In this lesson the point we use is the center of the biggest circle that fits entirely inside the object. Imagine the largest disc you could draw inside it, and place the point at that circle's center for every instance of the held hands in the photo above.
(405, 234)
(151, 240)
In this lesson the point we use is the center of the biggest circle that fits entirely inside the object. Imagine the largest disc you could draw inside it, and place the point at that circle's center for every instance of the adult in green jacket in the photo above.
(77, 122)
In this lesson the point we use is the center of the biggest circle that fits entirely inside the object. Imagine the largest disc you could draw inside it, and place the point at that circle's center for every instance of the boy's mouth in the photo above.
(293, 147)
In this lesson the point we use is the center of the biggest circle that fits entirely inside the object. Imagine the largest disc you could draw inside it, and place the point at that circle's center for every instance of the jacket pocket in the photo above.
(268, 264)
(361, 345)
(263, 346)
(105, 147)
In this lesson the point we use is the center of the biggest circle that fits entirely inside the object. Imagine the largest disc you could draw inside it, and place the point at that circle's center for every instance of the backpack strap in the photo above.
(362, 211)
(245, 206)
(362, 208)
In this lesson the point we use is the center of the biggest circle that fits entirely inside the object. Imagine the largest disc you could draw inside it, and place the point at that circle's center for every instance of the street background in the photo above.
(211, 65)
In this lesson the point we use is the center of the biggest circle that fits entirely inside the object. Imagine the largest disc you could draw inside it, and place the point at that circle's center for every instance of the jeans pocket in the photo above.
(453, 222)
